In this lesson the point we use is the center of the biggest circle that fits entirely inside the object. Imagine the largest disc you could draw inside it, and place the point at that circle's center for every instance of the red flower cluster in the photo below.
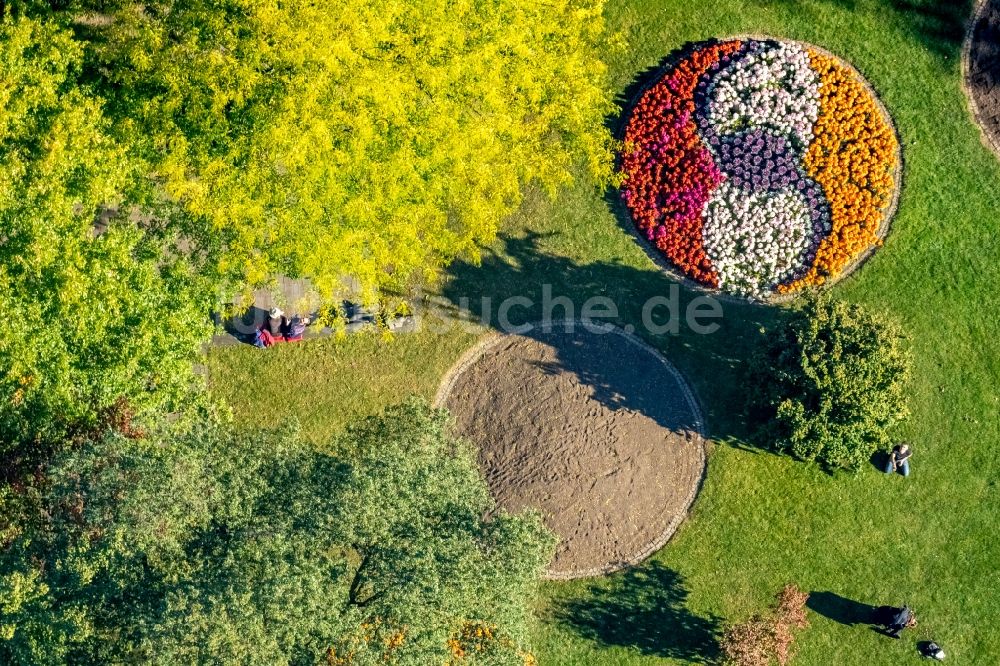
(668, 171)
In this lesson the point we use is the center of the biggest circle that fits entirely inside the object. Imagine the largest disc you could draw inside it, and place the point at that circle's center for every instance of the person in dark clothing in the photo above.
(297, 328)
(895, 619)
(899, 459)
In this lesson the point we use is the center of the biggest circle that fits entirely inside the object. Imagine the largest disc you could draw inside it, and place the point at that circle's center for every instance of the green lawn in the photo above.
(761, 520)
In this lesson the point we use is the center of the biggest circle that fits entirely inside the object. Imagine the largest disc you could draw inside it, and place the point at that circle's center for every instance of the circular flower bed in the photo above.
(759, 167)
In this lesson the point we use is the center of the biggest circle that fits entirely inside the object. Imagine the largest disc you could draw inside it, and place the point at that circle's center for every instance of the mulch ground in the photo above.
(592, 428)
(982, 70)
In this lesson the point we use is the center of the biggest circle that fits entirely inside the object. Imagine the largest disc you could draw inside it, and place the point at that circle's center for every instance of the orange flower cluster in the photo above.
(854, 157)
(476, 636)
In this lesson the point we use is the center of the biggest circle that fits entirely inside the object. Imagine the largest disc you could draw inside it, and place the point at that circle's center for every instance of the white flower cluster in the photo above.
(773, 88)
(755, 241)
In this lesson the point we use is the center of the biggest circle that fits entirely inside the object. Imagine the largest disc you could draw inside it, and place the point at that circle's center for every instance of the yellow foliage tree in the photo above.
(375, 141)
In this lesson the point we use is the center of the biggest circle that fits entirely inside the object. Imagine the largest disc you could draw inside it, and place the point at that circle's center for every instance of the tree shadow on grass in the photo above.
(939, 24)
(543, 286)
(644, 609)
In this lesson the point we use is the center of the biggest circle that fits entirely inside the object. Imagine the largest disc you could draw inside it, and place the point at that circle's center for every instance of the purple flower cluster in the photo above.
(821, 217)
(757, 161)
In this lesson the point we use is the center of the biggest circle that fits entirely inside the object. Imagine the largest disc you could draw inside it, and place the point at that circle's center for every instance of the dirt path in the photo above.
(981, 70)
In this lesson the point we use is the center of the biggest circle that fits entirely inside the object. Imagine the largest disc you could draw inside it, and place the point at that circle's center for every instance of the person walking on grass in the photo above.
(899, 459)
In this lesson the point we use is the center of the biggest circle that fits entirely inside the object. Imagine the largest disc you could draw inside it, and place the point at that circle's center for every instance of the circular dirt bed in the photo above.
(593, 428)
(981, 64)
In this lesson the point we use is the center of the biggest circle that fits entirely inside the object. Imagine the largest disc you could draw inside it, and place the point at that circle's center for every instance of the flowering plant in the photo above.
(759, 167)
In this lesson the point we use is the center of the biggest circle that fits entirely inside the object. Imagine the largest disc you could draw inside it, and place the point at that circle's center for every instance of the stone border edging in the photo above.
(987, 139)
(491, 340)
(889, 212)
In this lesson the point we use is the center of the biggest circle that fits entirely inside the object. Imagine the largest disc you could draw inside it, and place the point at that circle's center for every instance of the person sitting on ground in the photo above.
(932, 650)
(297, 328)
(899, 459)
(274, 329)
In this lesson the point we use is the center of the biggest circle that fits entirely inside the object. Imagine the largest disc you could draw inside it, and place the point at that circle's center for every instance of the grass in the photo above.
(327, 382)
(761, 520)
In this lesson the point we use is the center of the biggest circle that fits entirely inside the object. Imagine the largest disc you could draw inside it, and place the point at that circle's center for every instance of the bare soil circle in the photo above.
(588, 425)
(981, 70)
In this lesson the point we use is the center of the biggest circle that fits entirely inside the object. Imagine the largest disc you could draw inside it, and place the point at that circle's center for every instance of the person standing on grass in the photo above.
(899, 459)
(895, 620)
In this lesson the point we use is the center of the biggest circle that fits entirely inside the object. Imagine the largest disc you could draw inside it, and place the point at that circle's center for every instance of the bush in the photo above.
(764, 640)
(749, 643)
(831, 383)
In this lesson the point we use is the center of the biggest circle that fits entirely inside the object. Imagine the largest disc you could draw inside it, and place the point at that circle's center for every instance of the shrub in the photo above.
(767, 639)
(831, 383)
(789, 616)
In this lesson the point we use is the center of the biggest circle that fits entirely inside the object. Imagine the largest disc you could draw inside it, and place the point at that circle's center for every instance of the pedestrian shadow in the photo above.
(879, 460)
(841, 609)
(644, 609)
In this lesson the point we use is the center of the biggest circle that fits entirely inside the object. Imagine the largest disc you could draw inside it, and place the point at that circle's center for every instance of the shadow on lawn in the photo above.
(841, 609)
(939, 24)
(645, 609)
(519, 268)
(851, 613)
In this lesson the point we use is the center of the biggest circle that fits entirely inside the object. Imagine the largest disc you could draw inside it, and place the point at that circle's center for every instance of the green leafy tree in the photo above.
(95, 327)
(211, 545)
(411, 510)
(374, 141)
(831, 383)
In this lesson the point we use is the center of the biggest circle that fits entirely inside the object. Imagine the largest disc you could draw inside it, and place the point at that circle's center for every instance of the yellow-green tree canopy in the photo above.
(375, 140)
(95, 327)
